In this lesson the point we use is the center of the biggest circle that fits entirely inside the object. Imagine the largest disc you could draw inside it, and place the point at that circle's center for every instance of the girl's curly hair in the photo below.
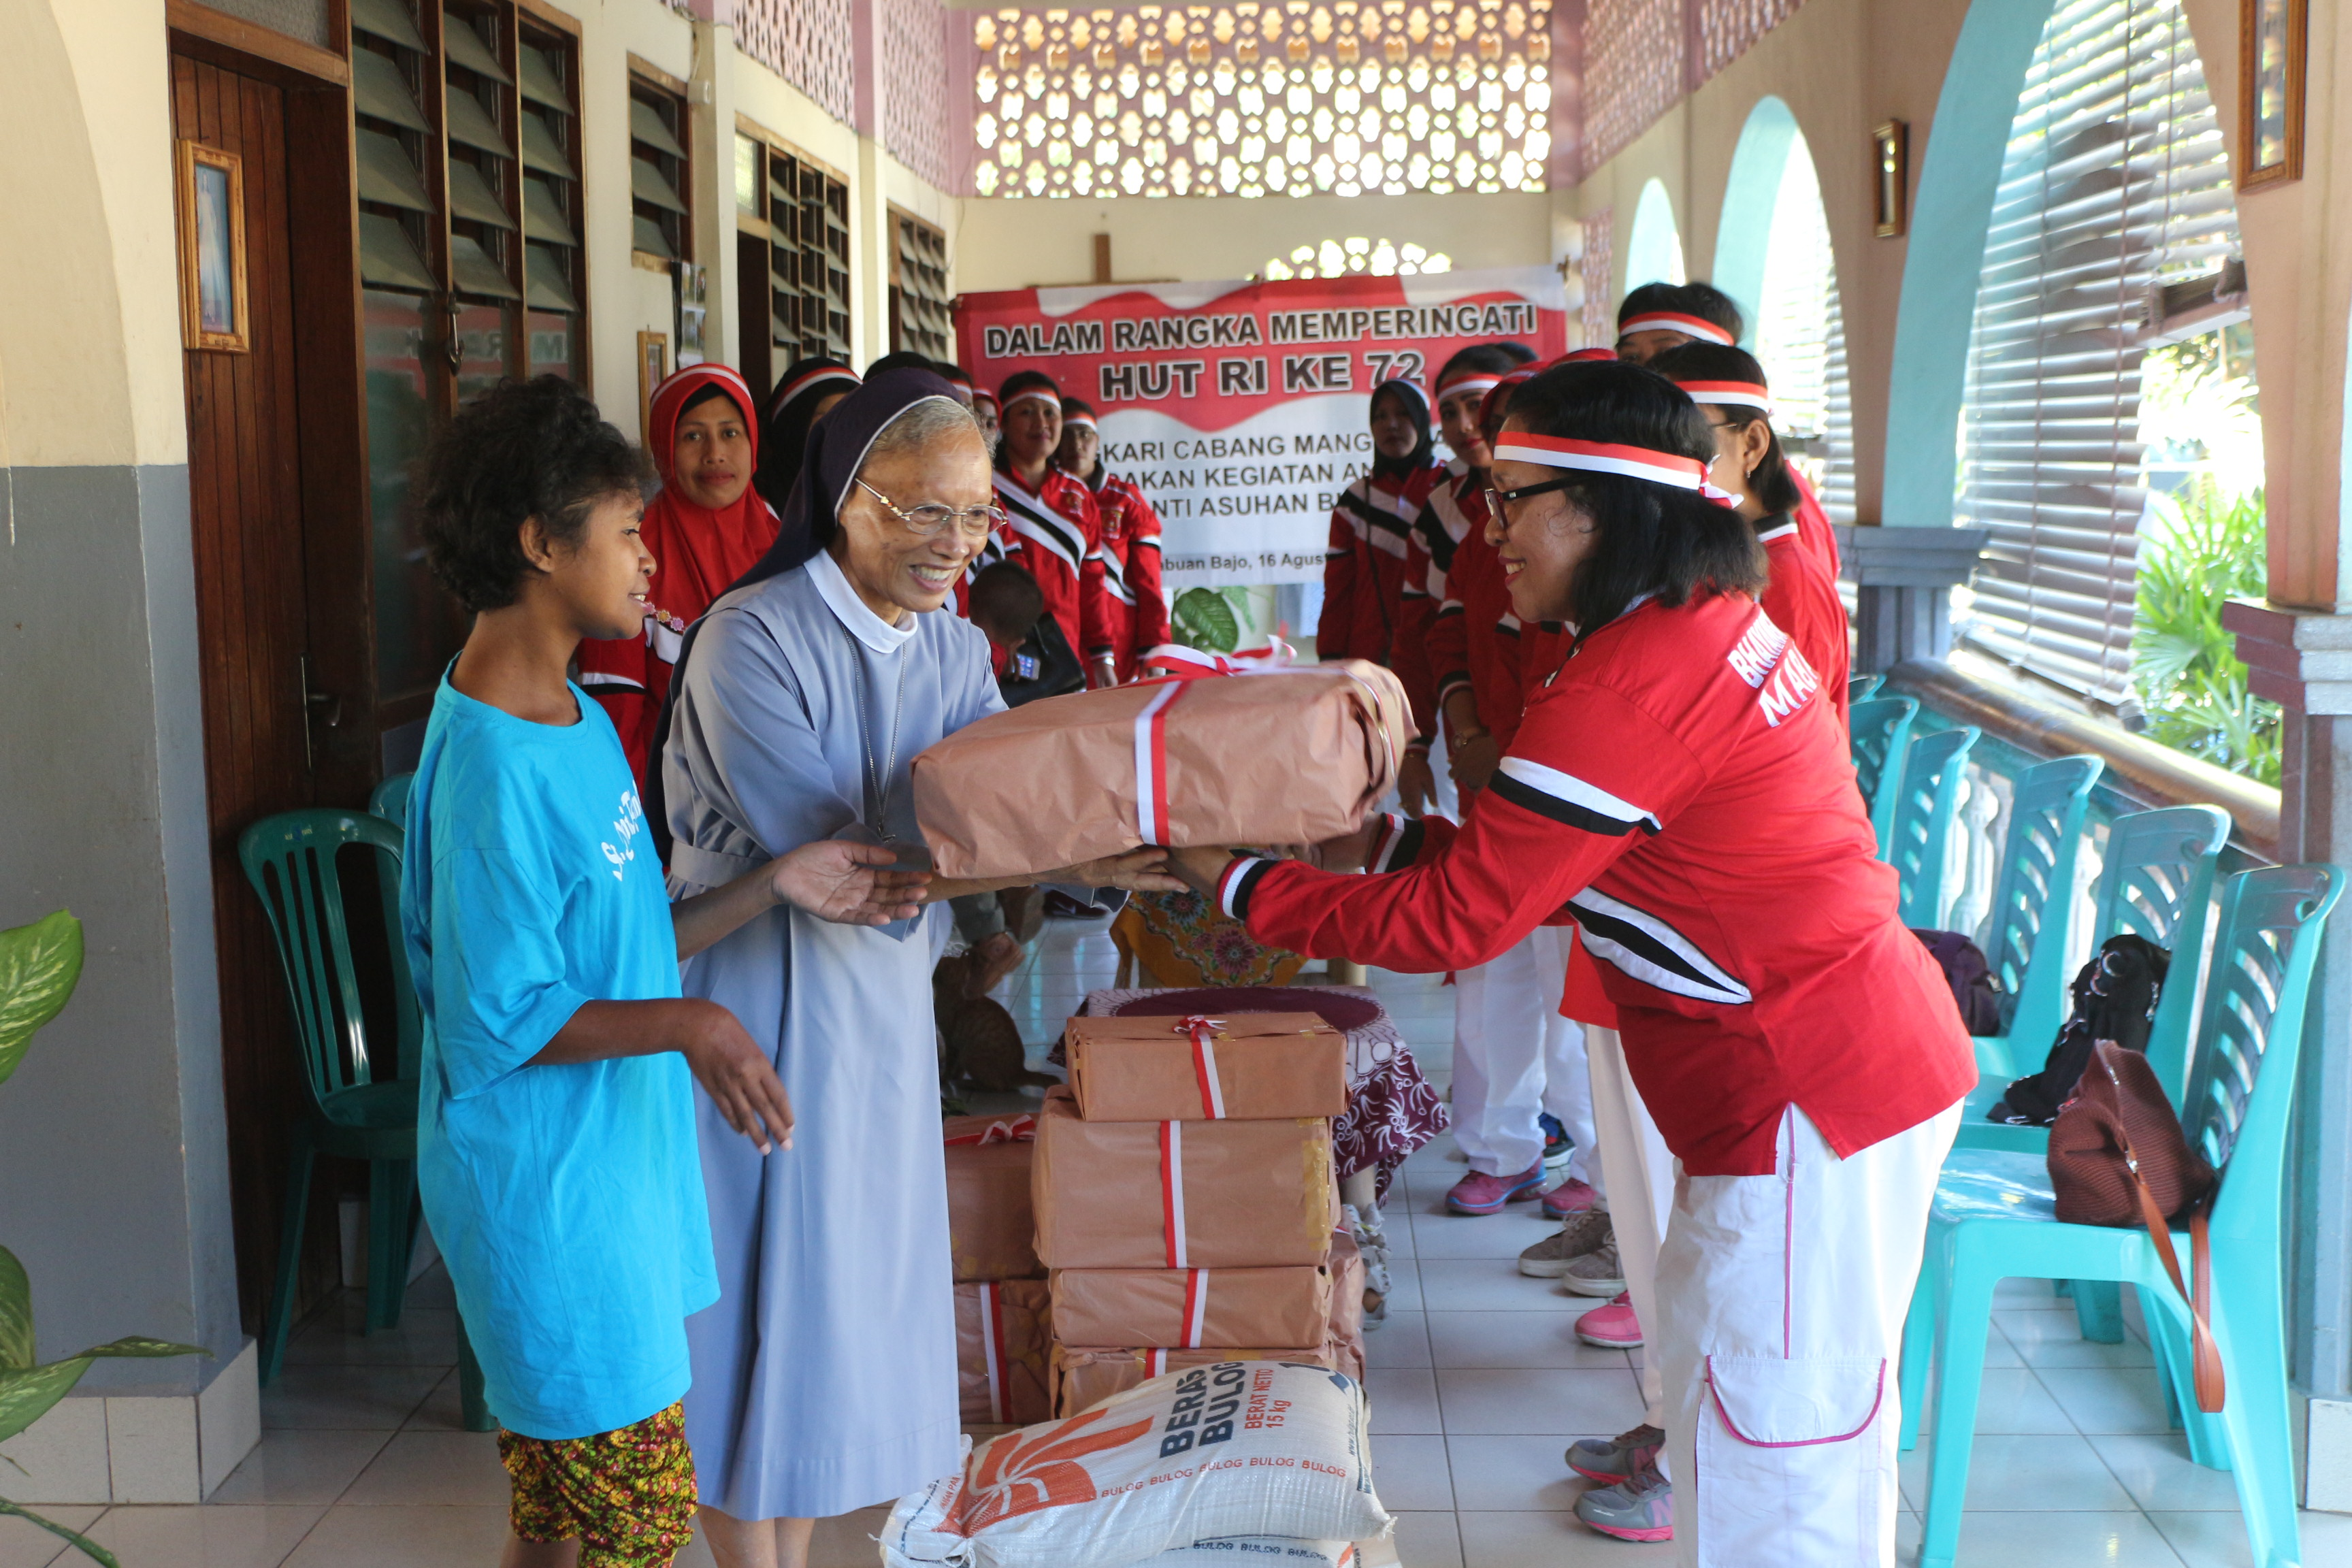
(523, 449)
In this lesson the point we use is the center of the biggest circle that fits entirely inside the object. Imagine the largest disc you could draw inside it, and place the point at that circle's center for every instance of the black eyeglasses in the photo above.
(1495, 498)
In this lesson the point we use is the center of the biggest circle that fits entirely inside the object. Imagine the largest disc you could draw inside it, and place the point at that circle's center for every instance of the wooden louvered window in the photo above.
(2114, 187)
(919, 289)
(661, 177)
(791, 223)
(468, 134)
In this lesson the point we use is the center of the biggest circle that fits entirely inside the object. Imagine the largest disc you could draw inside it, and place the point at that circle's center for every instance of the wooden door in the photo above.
(253, 607)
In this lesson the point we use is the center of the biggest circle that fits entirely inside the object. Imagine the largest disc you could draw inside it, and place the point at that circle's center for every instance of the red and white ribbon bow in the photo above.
(1017, 1130)
(1202, 1032)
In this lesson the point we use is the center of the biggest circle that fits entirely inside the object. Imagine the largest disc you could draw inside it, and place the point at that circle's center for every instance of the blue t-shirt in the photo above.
(567, 1199)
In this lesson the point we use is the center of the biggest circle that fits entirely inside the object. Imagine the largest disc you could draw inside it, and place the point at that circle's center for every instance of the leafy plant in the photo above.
(1204, 618)
(39, 966)
(2191, 683)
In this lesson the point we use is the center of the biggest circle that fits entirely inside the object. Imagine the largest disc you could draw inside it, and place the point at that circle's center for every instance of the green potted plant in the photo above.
(39, 964)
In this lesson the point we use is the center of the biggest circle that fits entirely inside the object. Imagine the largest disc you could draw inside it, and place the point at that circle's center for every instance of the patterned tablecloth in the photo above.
(1393, 1109)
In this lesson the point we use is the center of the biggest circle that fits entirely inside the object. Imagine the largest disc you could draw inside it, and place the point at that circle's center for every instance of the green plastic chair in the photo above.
(1862, 687)
(1921, 837)
(1880, 730)
(2157, 882)
(362, 1098)
(390, 802)
(1993, 1218)
(2033, 908)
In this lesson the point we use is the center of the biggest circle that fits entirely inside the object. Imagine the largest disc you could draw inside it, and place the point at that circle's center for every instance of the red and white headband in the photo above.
(979, 397)
(1697, 327)
(1740, 393)
(1081, 421)
(1607, 458)
(818, 377)
(1044, 393)
(1481, 385)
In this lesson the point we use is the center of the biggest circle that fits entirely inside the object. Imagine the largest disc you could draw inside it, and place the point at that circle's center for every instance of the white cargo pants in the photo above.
(1780, 1307)
(1515, 1058)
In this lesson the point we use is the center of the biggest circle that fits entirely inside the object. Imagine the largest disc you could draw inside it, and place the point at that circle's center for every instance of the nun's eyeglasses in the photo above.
(931, 519)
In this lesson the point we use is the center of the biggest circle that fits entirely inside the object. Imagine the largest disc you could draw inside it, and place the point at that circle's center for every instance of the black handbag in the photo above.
(2115, 999)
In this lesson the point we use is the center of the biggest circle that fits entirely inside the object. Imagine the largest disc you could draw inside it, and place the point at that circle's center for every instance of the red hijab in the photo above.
(697, 555)
(699, 550)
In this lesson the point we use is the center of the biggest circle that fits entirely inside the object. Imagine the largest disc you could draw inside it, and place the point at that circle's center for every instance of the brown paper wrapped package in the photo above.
(1002, 1348)
(1250, 1194)
(1347, 1331)
(992, 1228)
(1149, 1307)
(1256, 1066)
(1087, 1377)
(1296, 757)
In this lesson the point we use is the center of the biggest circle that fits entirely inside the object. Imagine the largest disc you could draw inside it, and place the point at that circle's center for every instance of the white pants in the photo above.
(1780, 1306)
(1515, 1058)
(1641, 1172)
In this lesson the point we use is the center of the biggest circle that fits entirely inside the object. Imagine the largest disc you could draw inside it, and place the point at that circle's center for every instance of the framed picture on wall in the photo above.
(2270, 38)
(653, 365)
(1890, 162)
(212, 250)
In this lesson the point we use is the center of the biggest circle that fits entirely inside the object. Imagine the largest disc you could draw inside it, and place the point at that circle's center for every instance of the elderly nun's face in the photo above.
(893, 567)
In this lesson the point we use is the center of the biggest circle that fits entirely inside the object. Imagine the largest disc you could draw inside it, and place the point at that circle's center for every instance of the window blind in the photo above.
(2114, 180)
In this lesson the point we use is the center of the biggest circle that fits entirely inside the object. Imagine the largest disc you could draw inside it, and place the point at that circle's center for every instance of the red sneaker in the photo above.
(1613, 1327)
(1479, 1193)
(1570, 1198)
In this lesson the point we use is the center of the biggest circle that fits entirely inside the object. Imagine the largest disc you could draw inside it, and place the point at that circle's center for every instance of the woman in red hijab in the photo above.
(706, 528)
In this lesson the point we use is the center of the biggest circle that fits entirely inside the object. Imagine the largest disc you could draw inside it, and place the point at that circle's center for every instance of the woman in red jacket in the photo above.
(1680, 790)
(1729, 386)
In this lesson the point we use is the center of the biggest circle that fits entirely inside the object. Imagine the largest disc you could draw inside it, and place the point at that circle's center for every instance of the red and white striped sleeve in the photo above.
(1590, 775)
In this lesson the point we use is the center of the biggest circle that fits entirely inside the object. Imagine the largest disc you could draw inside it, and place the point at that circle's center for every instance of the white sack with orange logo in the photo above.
(1225, 1452)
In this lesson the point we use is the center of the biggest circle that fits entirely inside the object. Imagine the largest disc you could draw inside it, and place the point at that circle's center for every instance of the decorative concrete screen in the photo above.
(1338, 97)
(806, 42)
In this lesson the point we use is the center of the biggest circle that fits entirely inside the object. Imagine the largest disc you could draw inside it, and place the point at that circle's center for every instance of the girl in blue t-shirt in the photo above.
(556, 1151)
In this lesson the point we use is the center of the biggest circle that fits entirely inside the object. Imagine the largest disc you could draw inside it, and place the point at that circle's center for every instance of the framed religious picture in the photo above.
(653, 365)
(1891, 177)
(2270, 37)
(212, 250)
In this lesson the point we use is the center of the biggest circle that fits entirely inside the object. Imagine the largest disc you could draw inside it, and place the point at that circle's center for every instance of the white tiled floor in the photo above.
(1477, 1384)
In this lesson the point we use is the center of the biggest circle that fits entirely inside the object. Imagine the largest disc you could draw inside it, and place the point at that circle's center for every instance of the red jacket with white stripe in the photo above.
(1364, 573)
(1429, 550)
(1474, 638)
(1680, 791)
(1129, 552)
(1054, 534)
(1813, 528)
(1803, 602)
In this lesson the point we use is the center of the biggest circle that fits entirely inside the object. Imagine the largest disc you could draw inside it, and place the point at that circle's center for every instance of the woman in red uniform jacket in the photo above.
(706, 527)
(1364, 570)
(1680, 791)
(1128, 550)
(1729, 386)
(1054, 529)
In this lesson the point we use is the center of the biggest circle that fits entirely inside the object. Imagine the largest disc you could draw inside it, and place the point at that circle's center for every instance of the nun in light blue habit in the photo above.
(825, 1379)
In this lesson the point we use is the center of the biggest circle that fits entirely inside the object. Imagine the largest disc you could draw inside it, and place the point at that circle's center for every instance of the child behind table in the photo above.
(1034, 659)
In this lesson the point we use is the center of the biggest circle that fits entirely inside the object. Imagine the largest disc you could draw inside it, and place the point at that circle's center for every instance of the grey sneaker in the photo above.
(1609, 1460)
(1552, 1257)
(1597, 1272)
(1639, 1507)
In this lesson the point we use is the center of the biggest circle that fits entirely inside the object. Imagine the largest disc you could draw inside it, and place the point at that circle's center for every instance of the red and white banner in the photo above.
(1240, 408)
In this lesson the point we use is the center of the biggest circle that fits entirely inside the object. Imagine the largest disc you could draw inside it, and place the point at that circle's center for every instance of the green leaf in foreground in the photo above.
(80, 1542)
(39, 966)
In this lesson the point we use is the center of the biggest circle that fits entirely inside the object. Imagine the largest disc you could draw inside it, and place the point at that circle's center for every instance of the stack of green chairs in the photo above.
(1994, 1218)
(1919, 837)
(1880, 734)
